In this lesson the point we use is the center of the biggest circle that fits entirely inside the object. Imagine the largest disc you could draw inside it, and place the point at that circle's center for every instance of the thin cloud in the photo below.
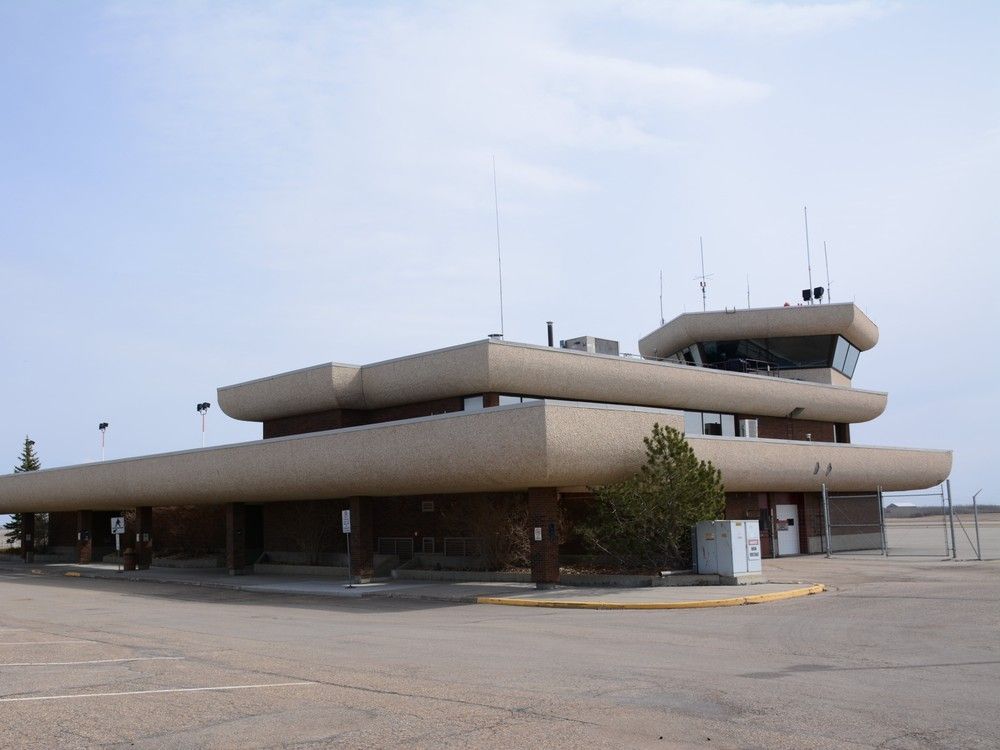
(458, 76)
(745, 17)
(631, 84)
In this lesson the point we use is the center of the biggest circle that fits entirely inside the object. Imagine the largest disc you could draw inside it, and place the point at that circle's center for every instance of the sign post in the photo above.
(118, 528)
(345, 521)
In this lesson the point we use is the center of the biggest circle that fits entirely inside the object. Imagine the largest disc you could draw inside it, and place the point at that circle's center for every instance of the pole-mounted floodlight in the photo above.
(103, 426)
(202, 409)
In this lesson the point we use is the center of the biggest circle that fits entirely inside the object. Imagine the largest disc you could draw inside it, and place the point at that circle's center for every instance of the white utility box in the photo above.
(727, 548)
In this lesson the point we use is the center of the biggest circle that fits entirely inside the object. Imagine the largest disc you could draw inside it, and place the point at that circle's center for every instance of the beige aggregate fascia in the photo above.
(845, 319)
(503, 449)
(791, 466)
(506, 367)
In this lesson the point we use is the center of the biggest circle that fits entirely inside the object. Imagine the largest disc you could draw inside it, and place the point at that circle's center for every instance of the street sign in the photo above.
(117, 525)
(345, 520)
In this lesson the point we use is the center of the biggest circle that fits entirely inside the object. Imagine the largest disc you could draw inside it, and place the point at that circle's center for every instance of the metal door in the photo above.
(787, 518)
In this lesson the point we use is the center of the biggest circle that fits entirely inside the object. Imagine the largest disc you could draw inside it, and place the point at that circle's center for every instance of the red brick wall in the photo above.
(62, 529)
(192, 529)
(543, 513)
(337, 418)
(309, 527)
(752, 506)
(782, 428)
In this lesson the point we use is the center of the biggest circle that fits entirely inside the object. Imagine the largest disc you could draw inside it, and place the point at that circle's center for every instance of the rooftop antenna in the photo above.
(826, 260)
(662, 321)
(805, 214)
(748, 291)
(496, 207)
(704, 277)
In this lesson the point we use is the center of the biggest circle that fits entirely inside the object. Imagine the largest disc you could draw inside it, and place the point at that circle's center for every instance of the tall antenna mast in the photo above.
(496, 207)
(662, 321)
(826, 259)
(703, 278)
(748, 291)
(805, 214)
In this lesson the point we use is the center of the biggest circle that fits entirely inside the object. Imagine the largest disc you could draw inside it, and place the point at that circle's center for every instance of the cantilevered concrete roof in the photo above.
(505, 367)
(507, 448)
(845, 319)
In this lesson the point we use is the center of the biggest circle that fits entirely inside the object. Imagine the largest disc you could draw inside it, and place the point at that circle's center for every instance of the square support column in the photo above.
(28, 537)
(236, 538)
(143, 537)
(84, 537)
(543, 530)
(362, 538)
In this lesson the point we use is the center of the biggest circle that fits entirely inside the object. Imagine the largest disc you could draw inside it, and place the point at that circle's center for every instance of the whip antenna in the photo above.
(703, 278)
(805, 215)
(662, 321)
(496, 208)
(826, 259)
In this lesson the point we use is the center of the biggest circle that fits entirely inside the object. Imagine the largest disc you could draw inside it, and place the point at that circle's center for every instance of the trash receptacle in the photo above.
(128, 558)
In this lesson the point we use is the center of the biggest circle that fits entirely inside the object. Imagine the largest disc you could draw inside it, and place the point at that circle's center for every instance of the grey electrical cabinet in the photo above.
(727, 548)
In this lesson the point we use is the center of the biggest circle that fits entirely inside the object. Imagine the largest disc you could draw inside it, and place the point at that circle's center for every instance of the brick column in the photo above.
(236, 538)
(84, 537)
(362, 538)
(143, 537)
(543, 520)
(28, 537)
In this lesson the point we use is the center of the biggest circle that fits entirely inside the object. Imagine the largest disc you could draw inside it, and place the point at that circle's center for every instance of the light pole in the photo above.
(203, 410)
(103, 426)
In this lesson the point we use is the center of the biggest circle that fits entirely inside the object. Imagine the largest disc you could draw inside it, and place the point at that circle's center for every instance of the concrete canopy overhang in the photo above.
(845, 319)
(803, 466)
(523, 369)
(504, 449)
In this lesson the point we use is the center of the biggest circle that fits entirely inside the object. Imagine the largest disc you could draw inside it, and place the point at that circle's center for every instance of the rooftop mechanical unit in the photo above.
(591, 344)
(748, 428)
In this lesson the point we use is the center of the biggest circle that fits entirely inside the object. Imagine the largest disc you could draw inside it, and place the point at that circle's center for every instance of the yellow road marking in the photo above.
(696, 604)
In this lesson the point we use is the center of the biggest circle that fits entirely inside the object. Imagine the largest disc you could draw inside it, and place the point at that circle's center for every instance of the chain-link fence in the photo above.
(917, 523)
(853, 523)
(911, 524)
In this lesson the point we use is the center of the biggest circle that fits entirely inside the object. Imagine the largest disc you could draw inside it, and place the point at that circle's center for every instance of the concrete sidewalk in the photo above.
(520, 594)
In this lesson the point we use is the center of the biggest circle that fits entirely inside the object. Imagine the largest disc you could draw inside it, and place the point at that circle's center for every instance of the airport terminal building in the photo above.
(417, 446)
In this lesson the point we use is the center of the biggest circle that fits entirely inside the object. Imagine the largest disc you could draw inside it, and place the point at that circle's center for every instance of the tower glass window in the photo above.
(769, 354)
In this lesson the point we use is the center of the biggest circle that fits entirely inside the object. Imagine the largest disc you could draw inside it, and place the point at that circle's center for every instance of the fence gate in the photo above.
(853, 523)
(909, 524)
(917, 524)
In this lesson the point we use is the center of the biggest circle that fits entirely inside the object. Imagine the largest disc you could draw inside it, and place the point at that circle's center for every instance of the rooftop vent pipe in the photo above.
(552, 341)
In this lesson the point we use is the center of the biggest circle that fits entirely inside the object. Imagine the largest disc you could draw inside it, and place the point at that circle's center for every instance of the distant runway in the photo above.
(927, 535)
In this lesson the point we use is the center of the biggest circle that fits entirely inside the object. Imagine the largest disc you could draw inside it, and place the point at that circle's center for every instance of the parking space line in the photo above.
(91, 661)
(151, 692)
(45, 643)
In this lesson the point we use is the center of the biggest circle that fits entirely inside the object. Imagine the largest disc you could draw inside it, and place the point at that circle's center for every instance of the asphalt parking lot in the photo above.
(898, 654)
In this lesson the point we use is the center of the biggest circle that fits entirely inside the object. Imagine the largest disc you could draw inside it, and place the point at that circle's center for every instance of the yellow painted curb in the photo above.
(71, 574)
(697, 604)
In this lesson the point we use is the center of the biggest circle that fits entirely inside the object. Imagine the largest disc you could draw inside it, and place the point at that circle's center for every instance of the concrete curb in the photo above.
(230, 585)
(697, 604)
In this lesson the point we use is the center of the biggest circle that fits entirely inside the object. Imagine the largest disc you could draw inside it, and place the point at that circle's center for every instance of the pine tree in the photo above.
(644, 523)
(29, 462)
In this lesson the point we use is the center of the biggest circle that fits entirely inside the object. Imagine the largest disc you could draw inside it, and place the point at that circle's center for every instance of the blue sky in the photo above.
(197, 194)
